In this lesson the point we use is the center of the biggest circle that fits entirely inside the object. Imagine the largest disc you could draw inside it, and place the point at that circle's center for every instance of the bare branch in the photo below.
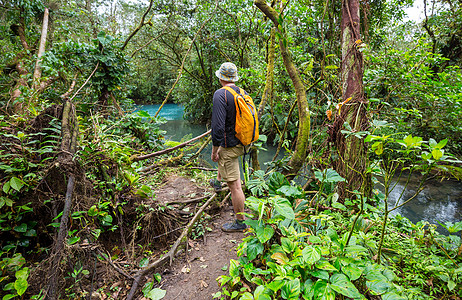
(142, 157)
(142, 23)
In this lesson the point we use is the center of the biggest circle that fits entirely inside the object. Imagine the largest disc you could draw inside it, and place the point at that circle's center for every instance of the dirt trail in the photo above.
(193, 273)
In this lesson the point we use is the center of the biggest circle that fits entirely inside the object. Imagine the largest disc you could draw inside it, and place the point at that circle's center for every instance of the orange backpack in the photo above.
(246, 117)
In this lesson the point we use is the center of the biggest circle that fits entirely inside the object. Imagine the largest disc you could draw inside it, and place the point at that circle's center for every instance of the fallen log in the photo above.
(70, 130)
(143, 157)
(149, 169)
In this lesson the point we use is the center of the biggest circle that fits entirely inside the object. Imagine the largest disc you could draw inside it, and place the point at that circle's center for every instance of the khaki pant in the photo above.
(228, 163)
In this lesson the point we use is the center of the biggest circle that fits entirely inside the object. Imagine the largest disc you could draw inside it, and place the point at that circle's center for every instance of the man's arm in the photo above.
(218, 118)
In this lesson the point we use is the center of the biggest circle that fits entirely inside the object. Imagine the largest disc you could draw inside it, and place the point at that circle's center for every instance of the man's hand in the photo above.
(215, 157)
(215, 154)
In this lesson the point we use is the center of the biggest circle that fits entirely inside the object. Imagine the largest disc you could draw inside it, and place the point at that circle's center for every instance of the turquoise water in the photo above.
(169, 111)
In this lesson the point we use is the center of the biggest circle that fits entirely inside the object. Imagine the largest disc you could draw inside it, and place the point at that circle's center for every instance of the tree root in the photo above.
(173, 251)
(109, 260)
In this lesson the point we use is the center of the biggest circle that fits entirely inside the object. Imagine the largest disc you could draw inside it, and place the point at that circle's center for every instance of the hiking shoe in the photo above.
(236, 226)
(216, 184)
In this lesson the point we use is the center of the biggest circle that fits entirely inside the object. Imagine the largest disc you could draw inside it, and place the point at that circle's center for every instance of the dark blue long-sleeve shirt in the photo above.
(224, 119)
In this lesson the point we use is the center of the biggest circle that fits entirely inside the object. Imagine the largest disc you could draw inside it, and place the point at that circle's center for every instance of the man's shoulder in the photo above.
(219, 92)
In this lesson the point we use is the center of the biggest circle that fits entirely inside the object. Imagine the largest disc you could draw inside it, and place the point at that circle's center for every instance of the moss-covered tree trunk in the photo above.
(352, 161)
(299, 155)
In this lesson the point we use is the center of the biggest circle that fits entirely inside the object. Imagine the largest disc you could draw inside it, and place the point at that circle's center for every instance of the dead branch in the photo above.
(116, 104)
(86, 81)
(153, 39)
(225, 199)
(71, 88)
(140, 25)
(142, 157)
(206, 142)
(171, 254)
(203, 169)
(43, 40)
(109, 260)
(149, 170)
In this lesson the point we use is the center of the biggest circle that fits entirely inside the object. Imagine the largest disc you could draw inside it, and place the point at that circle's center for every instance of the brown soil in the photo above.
(193, 273)
(193, 276)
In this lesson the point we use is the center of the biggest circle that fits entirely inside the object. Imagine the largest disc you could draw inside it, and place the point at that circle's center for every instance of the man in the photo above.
(226, 147)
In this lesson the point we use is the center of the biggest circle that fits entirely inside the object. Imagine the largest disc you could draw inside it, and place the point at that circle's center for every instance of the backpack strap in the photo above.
(235, 94)
(232, 91)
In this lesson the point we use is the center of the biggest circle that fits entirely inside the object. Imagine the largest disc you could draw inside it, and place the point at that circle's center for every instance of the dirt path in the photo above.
(193, 275)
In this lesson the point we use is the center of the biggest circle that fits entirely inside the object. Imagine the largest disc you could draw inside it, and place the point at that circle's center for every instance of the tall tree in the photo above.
(299, 155)
(351, 114)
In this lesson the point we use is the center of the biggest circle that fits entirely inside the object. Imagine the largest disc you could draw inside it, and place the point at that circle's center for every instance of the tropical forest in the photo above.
(352, 190)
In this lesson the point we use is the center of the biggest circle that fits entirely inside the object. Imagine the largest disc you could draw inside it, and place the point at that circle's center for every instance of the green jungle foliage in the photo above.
(104, 56)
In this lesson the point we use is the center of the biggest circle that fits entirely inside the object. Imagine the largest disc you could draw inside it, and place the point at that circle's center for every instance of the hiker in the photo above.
(226, 146)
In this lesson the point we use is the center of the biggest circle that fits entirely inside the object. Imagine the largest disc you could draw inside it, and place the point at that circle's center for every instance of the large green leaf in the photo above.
(21, 286)
(280, 258)
(290, 191)
(233, 268)
(342, 285)
(245, 296)
(264, 233)
(311, 254)
(16, 183)
(276, 180)
(5, 201)
(333, 176)
(261, 293)
(377, 282)
(275, 285)
(328, 175)
(320, 274)
(352, 271)
(291, 290)
(6, 187)
(254, 248)
(356, 248)
(21, 228)
(156, 294)
(437, 154)
(283, 207)
(323, 291)
(287, 245)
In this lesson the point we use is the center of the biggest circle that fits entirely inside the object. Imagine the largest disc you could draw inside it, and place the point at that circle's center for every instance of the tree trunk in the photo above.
(299, 155)
(43, 39)
(352, 162)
